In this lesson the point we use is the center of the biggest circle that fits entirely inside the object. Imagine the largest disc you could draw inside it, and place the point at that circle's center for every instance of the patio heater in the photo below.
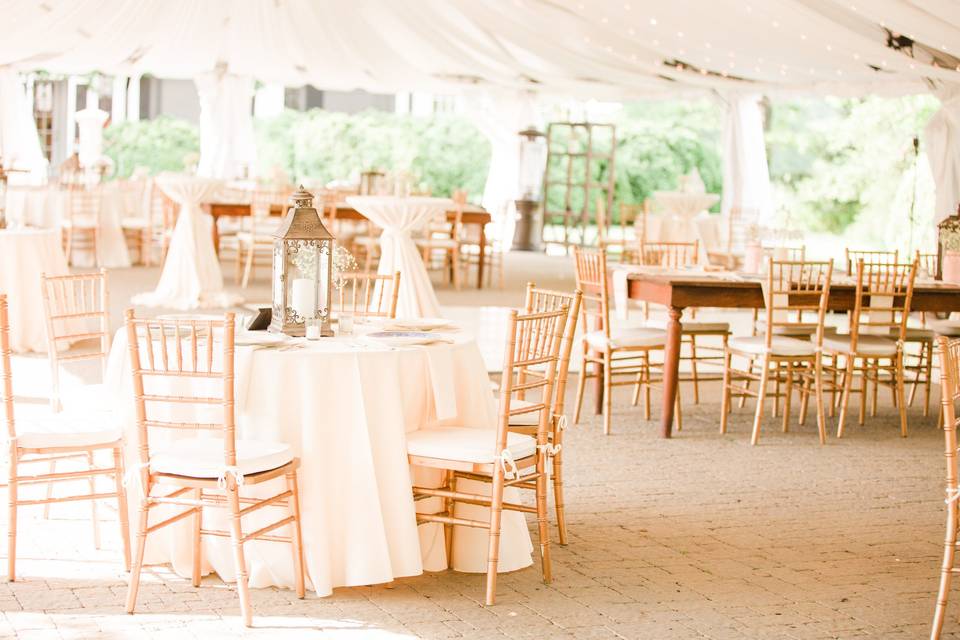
(533, 156)
(302, 271)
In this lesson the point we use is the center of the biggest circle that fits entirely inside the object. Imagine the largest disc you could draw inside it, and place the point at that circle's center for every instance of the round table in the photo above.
(345, 404)
(399, 217)
(46, 207)
(191, 277)
(25, 254)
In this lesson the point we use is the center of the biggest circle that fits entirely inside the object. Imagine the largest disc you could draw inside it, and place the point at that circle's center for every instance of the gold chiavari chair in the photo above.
(791, 290)
(81, 226)
(134, 222)
(367, 295)
(255, 237)
(539, 301)
(76, 308)
(503, 458)
(443, 237)
(878, 327)
(183, 383)
(950, 392)
(611, 352)
(161, 219)
(52, 439)
(869, 256)
(918, 366)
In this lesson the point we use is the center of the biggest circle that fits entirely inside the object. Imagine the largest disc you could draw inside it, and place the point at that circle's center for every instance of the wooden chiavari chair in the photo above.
(368, 295)
(878, 327)
(919, 365)
(792, 289)
(162, 214)
(869, 256)
(183, 383)
(503, 458)
(950, 392)
(632, 224)
(255, 237)
(134, 222)
(81, 227)
(76, 307)
(443, 237)
(611, 352)
(53, 439)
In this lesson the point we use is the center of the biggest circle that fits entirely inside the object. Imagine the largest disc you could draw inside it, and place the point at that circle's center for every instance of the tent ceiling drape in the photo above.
(598, 48)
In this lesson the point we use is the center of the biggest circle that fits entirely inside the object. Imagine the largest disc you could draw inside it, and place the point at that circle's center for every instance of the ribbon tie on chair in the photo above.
(222, 478)
(506, 460)
(132, 476)
(953, 495)
(561, 422)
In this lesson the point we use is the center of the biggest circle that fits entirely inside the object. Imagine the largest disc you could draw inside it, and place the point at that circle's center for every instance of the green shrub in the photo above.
(159, 145)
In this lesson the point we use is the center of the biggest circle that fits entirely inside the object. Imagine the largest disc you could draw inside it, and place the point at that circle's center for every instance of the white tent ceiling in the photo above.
(589, 48)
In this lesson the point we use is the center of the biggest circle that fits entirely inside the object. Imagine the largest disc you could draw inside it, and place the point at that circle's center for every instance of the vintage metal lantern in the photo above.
(533, 159)
(302, 269)
(948, 233)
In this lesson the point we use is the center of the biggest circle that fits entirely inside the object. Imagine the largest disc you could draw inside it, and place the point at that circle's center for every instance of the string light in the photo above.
(653, 22)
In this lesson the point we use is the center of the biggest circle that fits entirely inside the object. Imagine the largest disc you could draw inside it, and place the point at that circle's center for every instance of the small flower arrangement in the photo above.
(950, 239)
(343, 262)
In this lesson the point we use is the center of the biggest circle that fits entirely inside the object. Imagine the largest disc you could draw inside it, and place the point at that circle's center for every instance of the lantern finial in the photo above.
(302, 198)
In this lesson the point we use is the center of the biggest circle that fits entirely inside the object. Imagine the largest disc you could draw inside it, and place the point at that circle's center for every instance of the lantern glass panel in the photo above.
(533, 157)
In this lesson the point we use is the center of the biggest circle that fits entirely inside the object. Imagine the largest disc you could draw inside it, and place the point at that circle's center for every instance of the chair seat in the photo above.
(867, 345)
(203, 457)
(81, 222)
(950, 328)
(779, 346)
(244, 237)
(627, 338)
(466, 445)
(794, 329)
(693, 326)
(366, 241)
(68, 429)
(438, 243)
(920, 334)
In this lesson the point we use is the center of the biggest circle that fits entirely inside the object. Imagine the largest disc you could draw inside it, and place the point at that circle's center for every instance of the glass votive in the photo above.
(345, 324)
(313, 328)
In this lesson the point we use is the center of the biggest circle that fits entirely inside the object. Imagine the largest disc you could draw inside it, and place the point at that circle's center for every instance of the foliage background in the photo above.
(840, 167)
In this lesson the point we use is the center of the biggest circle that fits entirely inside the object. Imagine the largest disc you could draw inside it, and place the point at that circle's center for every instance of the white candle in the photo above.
(313, 331)
(303, 297)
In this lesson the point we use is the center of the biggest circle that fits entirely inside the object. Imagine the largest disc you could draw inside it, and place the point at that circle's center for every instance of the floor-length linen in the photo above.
(344, 405)
(191, 277)
(675, 221)
(399, 218)
(26, 254)
(46, 207)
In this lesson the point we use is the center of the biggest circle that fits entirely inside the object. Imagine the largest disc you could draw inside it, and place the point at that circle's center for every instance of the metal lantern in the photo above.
(947, 230)
(533, 158)
(302, 269)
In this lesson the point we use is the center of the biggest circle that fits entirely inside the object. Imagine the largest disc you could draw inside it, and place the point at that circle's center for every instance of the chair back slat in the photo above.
(672, 255)
(6, 373)
(591, 274)
(183, 372)
(884, 292)
(790, 290)
(928, 264)
(367, 295)
(869, 256)
(950, 392)
(540, 300)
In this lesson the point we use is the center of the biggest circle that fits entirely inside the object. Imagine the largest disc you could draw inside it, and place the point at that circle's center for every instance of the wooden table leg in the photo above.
(481, 255)
(216, 236)
(671, 371)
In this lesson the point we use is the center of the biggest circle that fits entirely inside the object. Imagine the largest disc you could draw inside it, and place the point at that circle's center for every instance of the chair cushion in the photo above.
(693, 326)
(867, 345)
(780, 345)
(68, 429)
(916, 334)
(466, 445)
(796, 329)
(203, 457)
(438, 243)
(626, 338)
(950, 328)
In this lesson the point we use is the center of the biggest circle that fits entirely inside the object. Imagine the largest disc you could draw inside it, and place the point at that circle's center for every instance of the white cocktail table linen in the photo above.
(191, 277)
(46, 207)
(344, 405)
(677, 221)
(25, 254)
(399, 218)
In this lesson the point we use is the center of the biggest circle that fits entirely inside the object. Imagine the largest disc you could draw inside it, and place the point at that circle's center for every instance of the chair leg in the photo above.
(845, 396)
(197, 541)
(557, 462)
(818, 389)
(455, 260)
(448, 507)
(646, 388)
(862, 416)
(901, 400)
(725, 391)
(804, 399)
(581, 384)
(746, 384)
(761, 394)
(928, 380)
(543, 527)
(137, 567)
(239, 561)
(876, 388)
(248, 267)
(92, 482)
(946, 570)
(493, 542)
(788, 395)
(296, 535)
(607, 388)
(123, 510)
(693, 369)
(12, 524)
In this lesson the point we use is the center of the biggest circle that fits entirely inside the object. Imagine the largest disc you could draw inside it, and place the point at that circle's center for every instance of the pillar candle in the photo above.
(302, 297)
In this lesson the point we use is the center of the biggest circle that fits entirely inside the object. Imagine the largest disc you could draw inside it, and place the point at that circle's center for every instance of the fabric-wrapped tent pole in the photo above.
(942, 138)
(500, 118)
(19, 144)
(746, 177)
(227, 146)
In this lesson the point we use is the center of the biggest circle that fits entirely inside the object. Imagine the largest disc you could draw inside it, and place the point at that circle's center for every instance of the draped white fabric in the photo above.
(90, 123)
(227, 147)
(191, 277)
(942, 139)
(25, 254)
(19, 144)
(399, 218)
(746, 177)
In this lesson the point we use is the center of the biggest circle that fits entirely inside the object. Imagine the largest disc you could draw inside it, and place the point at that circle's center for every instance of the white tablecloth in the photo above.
(25, 254)
(344, 405)
(399, 217)
(46, 207)
(675, 221)
(191, 277)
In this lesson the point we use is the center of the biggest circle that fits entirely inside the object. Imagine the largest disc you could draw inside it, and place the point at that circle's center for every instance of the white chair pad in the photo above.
(867, 345)
(438, 243)
(795, 329)
(779, 346)
(626, 338)
(693, 326)
(366, 240)
(950, 328)
(466, 445)
(203, 457)
(68, 429)
(919, 333)
(259, 238)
